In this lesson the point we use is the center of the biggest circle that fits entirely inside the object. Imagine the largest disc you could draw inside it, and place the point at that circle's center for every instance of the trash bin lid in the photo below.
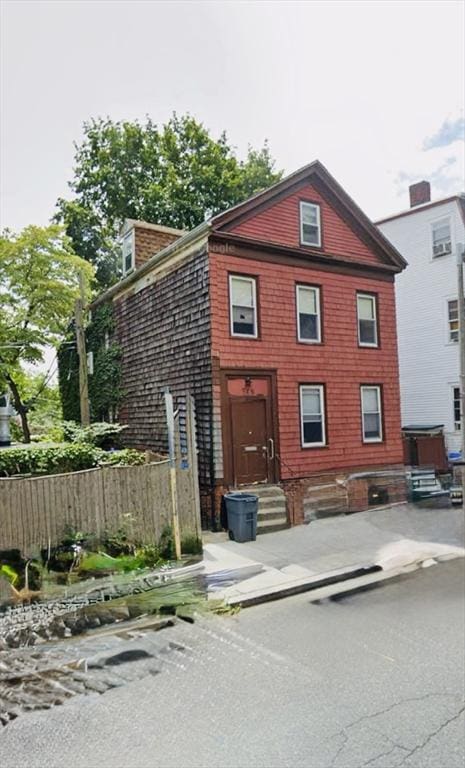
(239, 496)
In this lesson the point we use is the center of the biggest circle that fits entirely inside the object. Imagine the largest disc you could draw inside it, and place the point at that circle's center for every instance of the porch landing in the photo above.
(272, 509)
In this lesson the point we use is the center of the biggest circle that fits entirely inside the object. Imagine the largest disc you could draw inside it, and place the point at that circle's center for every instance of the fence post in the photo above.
(172, 454)
(192, 458)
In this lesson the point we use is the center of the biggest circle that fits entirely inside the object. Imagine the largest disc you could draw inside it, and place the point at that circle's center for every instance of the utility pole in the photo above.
(81, 349)
(461, 313)
(172, 454)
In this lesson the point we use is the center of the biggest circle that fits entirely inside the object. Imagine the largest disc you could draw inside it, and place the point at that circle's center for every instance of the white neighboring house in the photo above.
(427, 235)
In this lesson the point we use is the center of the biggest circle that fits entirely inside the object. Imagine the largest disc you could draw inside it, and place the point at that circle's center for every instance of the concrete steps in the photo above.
(325, 500)
(272, 511)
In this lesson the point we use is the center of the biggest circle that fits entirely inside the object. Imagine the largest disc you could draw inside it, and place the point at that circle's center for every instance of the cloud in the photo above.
(449, 132)
(444, 179)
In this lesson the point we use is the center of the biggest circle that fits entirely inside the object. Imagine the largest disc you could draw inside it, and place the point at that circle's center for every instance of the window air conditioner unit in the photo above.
(438, 250)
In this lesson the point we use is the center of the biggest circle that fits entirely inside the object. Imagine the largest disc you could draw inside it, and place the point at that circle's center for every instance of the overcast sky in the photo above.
(375, 90)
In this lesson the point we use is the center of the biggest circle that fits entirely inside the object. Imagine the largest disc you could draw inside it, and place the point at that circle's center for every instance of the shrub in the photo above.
(47, 461)
(56, 460)
(125, 458)
(101, 434)
(191, 545)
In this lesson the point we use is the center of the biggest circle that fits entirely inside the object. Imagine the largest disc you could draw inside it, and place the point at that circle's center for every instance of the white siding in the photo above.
(429, 363)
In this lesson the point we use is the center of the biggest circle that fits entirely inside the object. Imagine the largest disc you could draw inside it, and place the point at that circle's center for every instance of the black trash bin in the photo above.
(242, 510)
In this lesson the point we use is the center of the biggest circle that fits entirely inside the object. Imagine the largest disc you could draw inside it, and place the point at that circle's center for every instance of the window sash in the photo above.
(310, 222)
(371, 415)
(303, 291)
(367, 326)
(453, 320)
(441, 236)
(457, 408)
(128, 252)
(247, 310)
(311, 415)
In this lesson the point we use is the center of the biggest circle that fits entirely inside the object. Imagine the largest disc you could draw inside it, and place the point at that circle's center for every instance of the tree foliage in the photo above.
(39, 283)
(105, 391)
(41, 397)
(176, 175)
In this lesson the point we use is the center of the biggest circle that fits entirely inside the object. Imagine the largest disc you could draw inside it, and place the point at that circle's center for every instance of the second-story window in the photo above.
(453, 320)
(367, 320)
(308, 314)
(243, 306)
(310, 224)
(442, 241)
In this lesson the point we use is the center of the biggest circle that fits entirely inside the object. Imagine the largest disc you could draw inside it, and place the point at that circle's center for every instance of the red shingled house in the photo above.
(279, 316)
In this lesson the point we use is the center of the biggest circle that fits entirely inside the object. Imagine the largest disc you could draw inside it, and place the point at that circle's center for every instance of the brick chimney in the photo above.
(420, 193)
(152, 238)
(141, 240)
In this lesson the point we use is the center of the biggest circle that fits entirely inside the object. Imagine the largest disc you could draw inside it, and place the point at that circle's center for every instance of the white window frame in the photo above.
(321, 391)
(304, 203)
(253, 281)
(374, 300)
(377, 388)
(448, 320)
(457, 424)
(126, 236)
(435, 225)
(316, 290)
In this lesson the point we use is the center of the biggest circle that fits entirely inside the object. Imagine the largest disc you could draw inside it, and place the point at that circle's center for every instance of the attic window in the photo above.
(128, 253)
(310, 227)
(442, 242)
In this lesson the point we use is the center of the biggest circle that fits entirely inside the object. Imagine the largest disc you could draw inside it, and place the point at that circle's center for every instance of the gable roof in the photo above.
(312, 172)
(430, 204)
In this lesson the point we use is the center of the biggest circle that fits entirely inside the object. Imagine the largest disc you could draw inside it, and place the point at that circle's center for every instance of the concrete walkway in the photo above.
(393, 539)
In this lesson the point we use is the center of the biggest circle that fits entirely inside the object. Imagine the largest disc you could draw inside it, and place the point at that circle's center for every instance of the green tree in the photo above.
(41, 396)
(176, 175)
(39, 283)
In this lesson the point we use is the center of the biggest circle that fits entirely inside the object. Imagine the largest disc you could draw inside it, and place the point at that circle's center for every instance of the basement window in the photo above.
(442, 241)
(243, 306)
(128, 252)
(312, 415)
(310, 224)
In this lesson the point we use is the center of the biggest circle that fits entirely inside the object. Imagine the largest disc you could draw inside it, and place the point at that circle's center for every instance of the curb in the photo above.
(325, 580)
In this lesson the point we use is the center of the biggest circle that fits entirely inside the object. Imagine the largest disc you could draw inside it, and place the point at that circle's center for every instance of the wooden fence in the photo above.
(35, 512)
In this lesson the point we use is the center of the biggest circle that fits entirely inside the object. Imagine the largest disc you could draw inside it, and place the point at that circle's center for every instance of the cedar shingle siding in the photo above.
(164, 334)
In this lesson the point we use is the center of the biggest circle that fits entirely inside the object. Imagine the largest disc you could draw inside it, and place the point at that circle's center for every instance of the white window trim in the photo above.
(314, 288)
(321, 390)
(318, 217)
(374, 300)
(131, 234)
(380, 411)
(449, 341)
(454, 422)
(253, 281)
(433, 225)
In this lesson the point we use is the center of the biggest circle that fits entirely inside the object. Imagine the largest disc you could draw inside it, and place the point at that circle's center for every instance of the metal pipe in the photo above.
(461, 314)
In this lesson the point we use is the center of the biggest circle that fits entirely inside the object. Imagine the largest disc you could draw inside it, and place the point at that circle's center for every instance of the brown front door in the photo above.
(250, 437)
(248, 429)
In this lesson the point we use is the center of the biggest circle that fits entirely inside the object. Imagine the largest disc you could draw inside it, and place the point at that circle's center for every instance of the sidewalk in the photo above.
(391, 540)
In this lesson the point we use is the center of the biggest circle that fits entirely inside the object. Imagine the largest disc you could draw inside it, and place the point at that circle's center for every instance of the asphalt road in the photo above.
(373, 679)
